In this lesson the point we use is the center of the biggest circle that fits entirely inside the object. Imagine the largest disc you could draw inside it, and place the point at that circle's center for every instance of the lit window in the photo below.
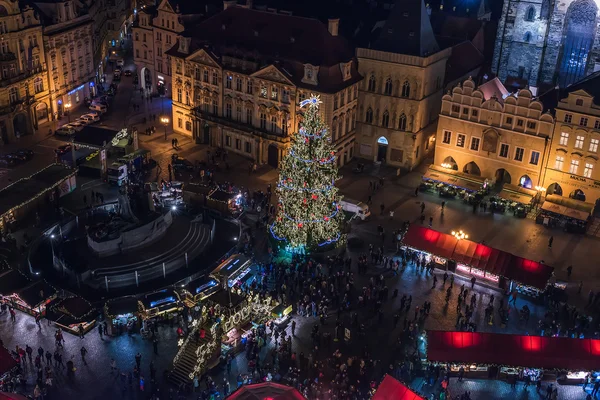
(579, 142)
(594, 145)
(587, 172)
(559, 162)
(574, 166)
(460, 140)
(564, 138)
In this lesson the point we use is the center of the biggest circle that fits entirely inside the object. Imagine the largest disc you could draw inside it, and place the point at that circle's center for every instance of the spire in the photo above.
(408, 30)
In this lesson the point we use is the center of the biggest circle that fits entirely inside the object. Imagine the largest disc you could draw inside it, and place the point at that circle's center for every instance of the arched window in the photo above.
(334, 129)
(406, 89)
(385, 121)
(372, 83)
(530, 16)
(13, 95)
(579, 102)
(369, 116)
(38, 85)
(388, 86)
(527, 37)
(545, 9)
(347, 123)
(402, 123)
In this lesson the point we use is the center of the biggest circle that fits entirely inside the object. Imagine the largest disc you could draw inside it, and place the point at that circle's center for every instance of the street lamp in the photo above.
(67, 108)
(460, 235)
(165, 122)
(447, 165)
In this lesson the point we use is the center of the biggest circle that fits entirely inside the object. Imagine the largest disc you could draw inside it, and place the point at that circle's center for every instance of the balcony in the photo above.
(4, 82)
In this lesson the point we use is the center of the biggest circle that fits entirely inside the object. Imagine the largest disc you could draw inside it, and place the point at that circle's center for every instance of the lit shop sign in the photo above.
(94, 154)
(210, 284)
(240, 277)
(160, 77)
(156, 303)
(121, 135)
(76, 89)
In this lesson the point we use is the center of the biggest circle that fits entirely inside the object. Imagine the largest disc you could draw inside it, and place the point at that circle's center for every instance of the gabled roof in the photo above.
(407, 30)
(590, 84)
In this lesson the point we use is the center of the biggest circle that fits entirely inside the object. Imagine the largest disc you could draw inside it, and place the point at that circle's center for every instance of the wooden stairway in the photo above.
(186, 360)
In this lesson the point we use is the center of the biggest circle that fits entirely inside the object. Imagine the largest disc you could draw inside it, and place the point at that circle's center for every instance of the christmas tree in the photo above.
(309, 215)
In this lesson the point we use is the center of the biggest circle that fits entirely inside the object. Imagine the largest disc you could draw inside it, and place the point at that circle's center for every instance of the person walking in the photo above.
(100, 331)
(83, 353)
(569, 272)
(550, 241)
(293, 328)
(113, 365)
(138, 360)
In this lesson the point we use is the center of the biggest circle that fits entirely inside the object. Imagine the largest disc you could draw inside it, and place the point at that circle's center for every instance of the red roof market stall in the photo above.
(267, 390)
(513, 350)
(7, 362)
(430, 241)
(490, 262)
(391, 389)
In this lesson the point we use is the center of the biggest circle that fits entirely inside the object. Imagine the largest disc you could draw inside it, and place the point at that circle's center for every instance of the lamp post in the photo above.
(540, 190)
(67, 111)
(165, 122)
(459, 235)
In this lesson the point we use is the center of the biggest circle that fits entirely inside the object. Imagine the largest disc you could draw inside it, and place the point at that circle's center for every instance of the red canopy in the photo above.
(7, 362)
(12, 396)
(266, 391)
(391, 389)
(430, 241)
(513, 350)
(478, 256)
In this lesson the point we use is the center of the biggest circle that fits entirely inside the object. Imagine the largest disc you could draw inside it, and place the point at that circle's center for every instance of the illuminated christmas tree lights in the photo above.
(309, 215)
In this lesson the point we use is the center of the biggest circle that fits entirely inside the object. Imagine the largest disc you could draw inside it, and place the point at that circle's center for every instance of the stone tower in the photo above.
(547, 42)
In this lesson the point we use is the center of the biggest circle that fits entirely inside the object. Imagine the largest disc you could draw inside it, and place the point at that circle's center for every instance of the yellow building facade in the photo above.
(485, 132)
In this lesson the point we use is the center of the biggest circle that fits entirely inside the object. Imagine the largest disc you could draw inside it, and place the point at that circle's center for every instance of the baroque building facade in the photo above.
(24, 88)
(545, 42)
(486, 132)
(245, 98)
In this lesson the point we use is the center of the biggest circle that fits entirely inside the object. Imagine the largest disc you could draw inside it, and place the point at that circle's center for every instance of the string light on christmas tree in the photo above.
(308, 215)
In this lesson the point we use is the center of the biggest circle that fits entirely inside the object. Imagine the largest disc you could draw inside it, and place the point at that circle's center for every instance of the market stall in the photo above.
(196, 193)
(199, 289)
(122, 314)
(7, 362)
(235, 315)
(71, 312)
(165, 194)
(514, 199)
(267, 391)
(500, 355)
(281, 314)
(435, 245)
(391, 388)
(225, 202)
(449, 183)
(235, 272)
(480, 261)
(34, 298)
(569, 214)
(527, 276)
(160, 304)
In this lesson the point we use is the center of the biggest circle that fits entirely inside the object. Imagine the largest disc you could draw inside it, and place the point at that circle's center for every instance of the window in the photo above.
(335, 102)
(530, 16)
(527, 37)
(509, 120)
(38, 85)
(343, 98)
(179, 123)
(285, 96)
(369, 116)
(466, 111)
(388, 87)
(475, 113)
(372, 83)
(179, 95)
(188, 126)
(238, 84)
(228, 81)
(238, 144)
(385, 120)
(579, 142)
(249, 116)
(238, 113)
(187, 97)
(579, 102)
(597, 124)
(263, 121)
(587, 171)
(263, 91)
(535, 158)
(564, 139)
(520, 122)
(13, 95)
(460, 140)
(583, 121)
(475, 143)
(519, 154)
(594, 145)
(215, 78)
(405, 89)
(274, 124)
(205, 75)
(197, 73)
(530, 125)
(248, 147)
(274, 93)
(249, 87)
(568, 118)
(144, 37)
(402, 123)
(228, 141)
(228, 110)
(447, 137)
(137, 36)
(334, 129)
(503, 150)
(559, 162)
(215, 107)
(574, 166)
(455, 108)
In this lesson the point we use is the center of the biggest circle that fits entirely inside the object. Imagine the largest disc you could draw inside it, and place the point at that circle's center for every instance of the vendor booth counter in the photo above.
(472, 259)
(502, 356)
(450, 184)
(234, 272)
(160, 304)
(199, 289)
(7, 362)
(269, 391)
(123, 314)
(70, 313)
(569, 214)
(514, 199)
(225, 202)
(34, 298)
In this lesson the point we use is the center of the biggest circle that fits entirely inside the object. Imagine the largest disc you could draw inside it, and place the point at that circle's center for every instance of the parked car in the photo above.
(15, 157)
(77, 125)
(65, 131)
(90, 118)
(26, 152)
(127, 72)
(120, 62)
(101, 102)
(60, 150)
(6, 161)
(101, 108)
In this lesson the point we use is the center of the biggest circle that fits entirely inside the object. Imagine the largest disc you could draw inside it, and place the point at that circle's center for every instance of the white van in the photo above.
(360, 209)
(101, 108)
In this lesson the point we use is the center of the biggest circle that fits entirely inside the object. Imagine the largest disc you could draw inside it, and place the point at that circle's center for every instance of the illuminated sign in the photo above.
(207, 285)
(382, 140)
(122, 134)
(94, 154)
(76, 89)
(160, 77)
(156, 303)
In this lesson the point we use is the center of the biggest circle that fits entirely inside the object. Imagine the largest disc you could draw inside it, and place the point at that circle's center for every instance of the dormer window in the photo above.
(310, 74)
(346, 69)
(579, 102)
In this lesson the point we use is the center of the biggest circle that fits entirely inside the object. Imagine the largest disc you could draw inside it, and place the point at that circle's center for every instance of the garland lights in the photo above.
(309, 204)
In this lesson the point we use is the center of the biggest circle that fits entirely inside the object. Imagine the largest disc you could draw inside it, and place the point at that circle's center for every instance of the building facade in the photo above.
(401, 93)
(486, 132)
(573, 169)
(246, 98)
(68, 37)
(24, 88)
(546, 42)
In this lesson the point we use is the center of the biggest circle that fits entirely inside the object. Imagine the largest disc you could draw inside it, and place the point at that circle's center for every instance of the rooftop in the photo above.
(590, 84)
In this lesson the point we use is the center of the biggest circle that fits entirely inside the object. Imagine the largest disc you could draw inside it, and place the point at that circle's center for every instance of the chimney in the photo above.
(333, 26)
(229, 3)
